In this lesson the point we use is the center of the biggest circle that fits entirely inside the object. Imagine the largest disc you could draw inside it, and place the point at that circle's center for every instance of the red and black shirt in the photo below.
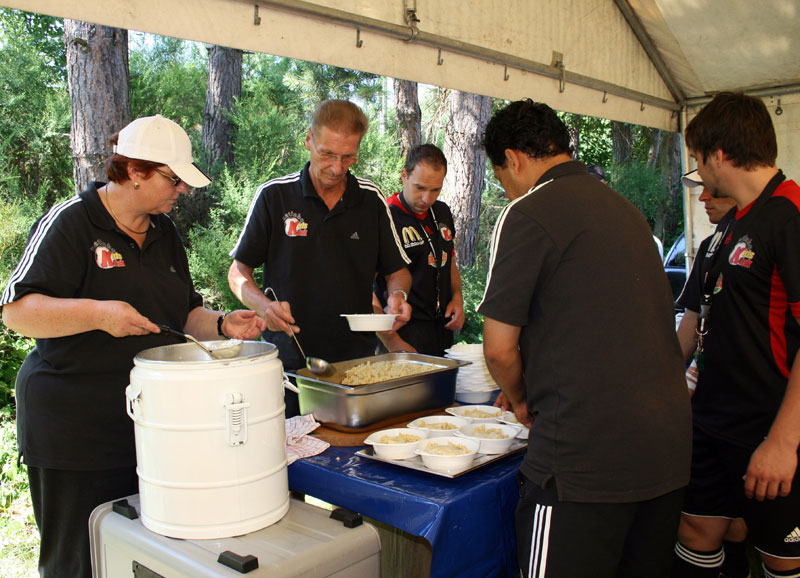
(753, 337)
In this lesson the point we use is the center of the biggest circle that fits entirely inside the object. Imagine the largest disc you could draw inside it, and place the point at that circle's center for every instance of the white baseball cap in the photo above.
(160, 140)
(692, 179)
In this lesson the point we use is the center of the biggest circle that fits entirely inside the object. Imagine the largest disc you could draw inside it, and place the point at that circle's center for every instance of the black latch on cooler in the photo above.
(123, 508)
(347, 517)
(242, 564)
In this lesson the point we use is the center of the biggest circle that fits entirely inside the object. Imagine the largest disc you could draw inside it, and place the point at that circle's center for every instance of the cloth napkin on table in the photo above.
(298, 444)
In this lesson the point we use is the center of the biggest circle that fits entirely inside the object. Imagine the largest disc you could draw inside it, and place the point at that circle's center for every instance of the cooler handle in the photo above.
(237, 419)
(133, 395)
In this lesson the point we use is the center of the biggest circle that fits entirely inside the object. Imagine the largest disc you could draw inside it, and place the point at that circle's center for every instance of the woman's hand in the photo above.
(121, 319)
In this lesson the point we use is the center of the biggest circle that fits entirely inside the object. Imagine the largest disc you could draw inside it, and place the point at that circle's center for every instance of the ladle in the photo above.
(224, 351)
(315, 365)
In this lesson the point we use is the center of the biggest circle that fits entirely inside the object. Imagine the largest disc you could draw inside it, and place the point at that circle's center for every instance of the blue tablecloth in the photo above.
(468, 520)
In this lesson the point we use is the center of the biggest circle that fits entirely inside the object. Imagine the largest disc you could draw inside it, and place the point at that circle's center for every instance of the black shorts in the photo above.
(716, 489)
(558, 539)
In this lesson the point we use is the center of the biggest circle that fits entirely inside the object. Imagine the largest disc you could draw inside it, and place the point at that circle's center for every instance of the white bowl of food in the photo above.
(370, 321)
(438, 425)
(448, 454)
(508, 417)
(396, 443)
(473, 396)
(476, 413)
(494, 438)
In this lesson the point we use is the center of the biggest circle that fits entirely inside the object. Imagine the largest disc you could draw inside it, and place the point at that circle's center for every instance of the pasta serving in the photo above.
(369, 372)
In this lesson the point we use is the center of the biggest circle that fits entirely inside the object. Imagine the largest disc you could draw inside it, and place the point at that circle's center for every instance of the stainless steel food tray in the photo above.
(415, 463)
(360, 406)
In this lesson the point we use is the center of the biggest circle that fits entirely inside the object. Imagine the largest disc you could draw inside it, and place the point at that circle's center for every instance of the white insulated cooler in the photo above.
(306, 542)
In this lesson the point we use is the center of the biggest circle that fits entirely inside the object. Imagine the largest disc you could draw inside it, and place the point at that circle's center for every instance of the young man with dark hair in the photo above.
(428, 234)
(746, 409)
(579, 334)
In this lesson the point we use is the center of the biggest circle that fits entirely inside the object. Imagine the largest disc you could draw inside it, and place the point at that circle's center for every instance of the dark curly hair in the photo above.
(737, 124)
(530, 127)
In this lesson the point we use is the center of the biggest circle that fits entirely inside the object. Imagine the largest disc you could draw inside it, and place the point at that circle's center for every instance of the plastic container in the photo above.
(490, 445)
(370, 321)
(434, 423)
(210, 440)
(396, 451)
(465, 411)
(305, 543)
(448, 463)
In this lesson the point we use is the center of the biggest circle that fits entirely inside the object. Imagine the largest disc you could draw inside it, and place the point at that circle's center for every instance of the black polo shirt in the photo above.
(71, 390)
(321, 261)
(574, 265)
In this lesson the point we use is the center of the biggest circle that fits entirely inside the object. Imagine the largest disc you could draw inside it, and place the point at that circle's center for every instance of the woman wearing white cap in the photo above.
(98, 272)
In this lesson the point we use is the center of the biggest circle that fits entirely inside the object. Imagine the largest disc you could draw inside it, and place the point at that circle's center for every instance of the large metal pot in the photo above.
(360, 406)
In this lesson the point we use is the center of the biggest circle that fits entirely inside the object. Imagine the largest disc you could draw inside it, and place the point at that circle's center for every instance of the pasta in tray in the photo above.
(369, 372)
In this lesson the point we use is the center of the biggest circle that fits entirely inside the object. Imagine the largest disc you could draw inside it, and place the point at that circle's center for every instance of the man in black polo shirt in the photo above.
(426, 227)
(321, 234)
(580, 336)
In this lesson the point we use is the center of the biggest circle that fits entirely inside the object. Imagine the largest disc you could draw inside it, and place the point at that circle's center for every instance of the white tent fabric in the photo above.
(648, 62)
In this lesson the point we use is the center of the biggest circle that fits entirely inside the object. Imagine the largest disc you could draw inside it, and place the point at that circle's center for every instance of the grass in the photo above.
(19, 538)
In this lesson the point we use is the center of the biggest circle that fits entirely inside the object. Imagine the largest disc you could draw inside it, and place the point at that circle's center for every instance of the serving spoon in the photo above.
(315, 365)
(225, 351)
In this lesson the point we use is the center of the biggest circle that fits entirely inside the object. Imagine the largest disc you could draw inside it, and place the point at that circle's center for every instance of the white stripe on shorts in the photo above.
(540, 540)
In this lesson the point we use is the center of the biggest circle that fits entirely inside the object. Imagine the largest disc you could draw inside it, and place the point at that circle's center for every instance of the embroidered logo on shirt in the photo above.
(432, 262)
(742, 254)
(105, 256)
(446, 233)
(355, 236)
(294, 225)
(793, 536)
(411, 237)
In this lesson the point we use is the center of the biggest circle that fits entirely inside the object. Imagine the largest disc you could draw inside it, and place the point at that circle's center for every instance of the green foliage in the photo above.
(19, 539)
(642, 186)
(473, 281)
(168, 77)
(13, 350)
(208, 258)
(35, 158)
(380, 161)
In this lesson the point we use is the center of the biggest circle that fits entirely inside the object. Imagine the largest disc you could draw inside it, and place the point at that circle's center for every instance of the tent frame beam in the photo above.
(412, 35)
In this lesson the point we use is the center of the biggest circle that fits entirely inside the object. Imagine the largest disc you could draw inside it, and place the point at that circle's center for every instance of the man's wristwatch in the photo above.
(220, 321)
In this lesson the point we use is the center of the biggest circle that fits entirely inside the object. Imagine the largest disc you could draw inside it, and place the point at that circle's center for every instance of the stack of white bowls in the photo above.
(474, 383)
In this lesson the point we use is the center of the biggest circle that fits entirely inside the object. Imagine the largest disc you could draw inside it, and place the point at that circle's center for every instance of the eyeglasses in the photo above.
(176, 180)
(348, 160)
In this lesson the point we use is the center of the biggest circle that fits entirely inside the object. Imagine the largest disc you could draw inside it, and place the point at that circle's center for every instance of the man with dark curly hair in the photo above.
(579, 334)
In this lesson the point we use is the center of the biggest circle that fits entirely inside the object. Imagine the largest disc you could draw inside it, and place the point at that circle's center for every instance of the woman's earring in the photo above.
(135, 185)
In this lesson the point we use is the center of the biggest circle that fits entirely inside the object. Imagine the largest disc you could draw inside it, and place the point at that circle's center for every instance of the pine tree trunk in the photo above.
(98, 81)
(224, 87)
(621, 141)
(408, 114)
(466, 160)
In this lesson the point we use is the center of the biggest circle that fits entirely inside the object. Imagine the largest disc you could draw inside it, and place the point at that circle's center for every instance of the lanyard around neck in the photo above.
(434, 247)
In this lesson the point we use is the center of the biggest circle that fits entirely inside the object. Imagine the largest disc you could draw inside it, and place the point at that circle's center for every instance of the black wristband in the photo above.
(220, 320)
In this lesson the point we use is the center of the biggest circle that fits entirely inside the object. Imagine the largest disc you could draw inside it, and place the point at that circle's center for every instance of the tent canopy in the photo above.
(639, 61)
(647, 62)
